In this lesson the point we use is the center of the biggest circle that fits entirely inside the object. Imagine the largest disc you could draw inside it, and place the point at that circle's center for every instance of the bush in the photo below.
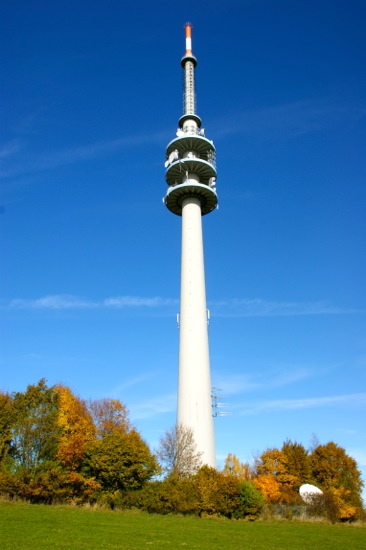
(251, 501)
(331, 506)
(9, 485)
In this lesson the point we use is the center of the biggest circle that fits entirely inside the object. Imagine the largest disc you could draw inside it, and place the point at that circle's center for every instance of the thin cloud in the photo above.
(257, 307)
(356, 399)
(52, 302)
(287, 120)
(61, 301)
(9, 149)
(231, 385)
(153, 407)
(33, 162)
(222, 308)
(136, 301)
(136, 381)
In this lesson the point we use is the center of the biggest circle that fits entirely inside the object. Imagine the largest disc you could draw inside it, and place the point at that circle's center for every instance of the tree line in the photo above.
(58, 448)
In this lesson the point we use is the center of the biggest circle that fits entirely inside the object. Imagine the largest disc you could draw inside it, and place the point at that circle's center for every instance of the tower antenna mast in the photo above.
(191, 178)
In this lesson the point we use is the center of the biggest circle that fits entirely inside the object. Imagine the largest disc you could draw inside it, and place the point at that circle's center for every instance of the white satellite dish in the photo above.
(307, 492)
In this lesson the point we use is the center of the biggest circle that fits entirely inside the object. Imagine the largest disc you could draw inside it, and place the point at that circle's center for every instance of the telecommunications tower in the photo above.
(191, 177)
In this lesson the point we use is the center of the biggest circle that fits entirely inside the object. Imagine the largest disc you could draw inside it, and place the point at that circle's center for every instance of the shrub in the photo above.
(251, 501)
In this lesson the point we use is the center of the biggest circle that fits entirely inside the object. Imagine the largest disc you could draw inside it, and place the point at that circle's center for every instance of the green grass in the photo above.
(34, 527)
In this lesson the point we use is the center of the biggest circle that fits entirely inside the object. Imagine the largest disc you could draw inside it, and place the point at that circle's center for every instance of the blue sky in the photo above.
(91, 95)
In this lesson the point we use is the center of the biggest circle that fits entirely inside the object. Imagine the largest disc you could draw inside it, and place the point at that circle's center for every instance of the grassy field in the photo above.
(34, 527)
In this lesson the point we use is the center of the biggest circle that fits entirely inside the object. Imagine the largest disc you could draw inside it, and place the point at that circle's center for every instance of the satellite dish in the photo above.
(307, 492)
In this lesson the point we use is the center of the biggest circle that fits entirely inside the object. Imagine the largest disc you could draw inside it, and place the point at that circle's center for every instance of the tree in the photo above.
(332, 468)
(273, 463)
(239, 470)
(35, 431)
(297, 463)
(120, 461)
(268, 486)
(178, 453)
(76, 428)
(7, 418)
(109, 416)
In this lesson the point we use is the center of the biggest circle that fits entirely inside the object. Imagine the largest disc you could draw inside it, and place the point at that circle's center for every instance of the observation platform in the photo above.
(176, 194)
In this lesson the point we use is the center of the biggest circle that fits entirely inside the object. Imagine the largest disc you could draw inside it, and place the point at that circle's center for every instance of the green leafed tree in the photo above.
(120, 461)
(7, 419)
(35, 431)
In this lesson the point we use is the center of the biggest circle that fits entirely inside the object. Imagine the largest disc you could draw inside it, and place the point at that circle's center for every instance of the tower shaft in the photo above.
(194, 381)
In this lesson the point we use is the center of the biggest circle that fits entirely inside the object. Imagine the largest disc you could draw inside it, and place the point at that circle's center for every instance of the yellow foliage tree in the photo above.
(272, 461)
(239, 470)
(76, 428)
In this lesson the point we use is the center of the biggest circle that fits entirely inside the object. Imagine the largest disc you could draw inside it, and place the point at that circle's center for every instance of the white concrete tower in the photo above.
(191, 176)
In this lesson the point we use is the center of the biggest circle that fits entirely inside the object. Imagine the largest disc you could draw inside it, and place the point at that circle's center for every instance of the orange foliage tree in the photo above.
(273, 477)
(268, 486)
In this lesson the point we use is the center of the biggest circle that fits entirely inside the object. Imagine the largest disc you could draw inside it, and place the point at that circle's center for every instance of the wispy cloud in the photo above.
(59, 302)
(273, 122)
(257, 307)
(52, 302)
(240, 383)
(153, 407)
(356, 399)
(136, 301)
(287, 120)
(27, 161)
(9, 149)
(234, 307)
(131, 382)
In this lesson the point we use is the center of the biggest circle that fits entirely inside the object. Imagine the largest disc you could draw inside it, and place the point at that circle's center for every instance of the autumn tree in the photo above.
(177, 452)
(332, 469)
(268, 486)
(273, 477)
(272, 461)
(239, 470)
(109, 416)
(76, 428)
(297, 463)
